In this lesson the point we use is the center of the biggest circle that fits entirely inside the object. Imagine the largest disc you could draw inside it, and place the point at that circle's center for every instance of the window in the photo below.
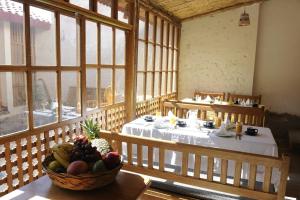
(13, 104)
(42, 32)
(81, 3)
(70, 95)
(123, 10)
(69, 41)
(44, 96)
(91, 42)
(106, 45)
(104, 7)
(91, 88)
(12, 51)
(157, 59)
(106, 90)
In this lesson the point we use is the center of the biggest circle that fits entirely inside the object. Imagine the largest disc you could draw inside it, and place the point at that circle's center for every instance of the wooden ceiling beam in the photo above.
(181, 10)
(237, 5)
(157, 9)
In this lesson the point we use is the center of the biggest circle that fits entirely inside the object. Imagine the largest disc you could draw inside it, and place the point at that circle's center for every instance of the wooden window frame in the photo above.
(169, 46)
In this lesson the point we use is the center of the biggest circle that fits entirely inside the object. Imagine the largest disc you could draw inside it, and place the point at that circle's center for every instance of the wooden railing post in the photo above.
(283, 178)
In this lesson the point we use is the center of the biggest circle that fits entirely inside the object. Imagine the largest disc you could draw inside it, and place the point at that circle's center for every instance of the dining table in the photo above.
(161, 128)
(44, 189)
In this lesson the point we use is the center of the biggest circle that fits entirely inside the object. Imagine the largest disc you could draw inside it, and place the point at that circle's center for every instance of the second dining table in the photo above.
(262, 144)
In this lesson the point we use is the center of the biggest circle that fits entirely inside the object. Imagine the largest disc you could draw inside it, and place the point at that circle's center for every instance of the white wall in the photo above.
(263, 58)
(217, 54)
(277, 72)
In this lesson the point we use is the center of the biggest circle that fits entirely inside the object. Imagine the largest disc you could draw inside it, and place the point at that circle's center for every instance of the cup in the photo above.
(252, 131)
(158, 114)
(238, 128)
(173, 120)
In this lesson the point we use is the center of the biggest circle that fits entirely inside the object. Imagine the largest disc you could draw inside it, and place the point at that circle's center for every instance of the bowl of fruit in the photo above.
(87, 163)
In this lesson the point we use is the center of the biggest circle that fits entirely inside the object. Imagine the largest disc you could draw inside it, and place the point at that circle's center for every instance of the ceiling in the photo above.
(185, 9)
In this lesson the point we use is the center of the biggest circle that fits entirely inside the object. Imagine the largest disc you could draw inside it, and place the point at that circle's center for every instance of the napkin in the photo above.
(170, 114)
(222, 131)
(208, 99)
(248, 103)
(160, 124)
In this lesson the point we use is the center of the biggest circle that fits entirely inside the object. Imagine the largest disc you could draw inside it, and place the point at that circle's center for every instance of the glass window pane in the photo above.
(70, 95)
(170, 35)
(149, 85)
(174, 88)
(42, 33)
(158, 30)
(164, 62)
(106, 91)
(165, 32)
(175, 37)
(156, 84)
(169, 82)
(120, 86)
(82, 3)
(13, 104)
(151, 27)
(150, 57)
(141, 56)
(106, 45)
(12, 40)
(157, 58)
(91, 42)
(175, 60)
(91, 88)
(140, 87)
(163, 83)
(123, 10)
(142, 18)
(69, 41)
(104, 7)
(44, 94)
(120, 47)
(170, 58)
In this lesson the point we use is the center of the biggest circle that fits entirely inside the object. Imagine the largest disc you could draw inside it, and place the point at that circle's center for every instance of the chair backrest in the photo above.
(246, 115)
(236, 97)
(203, 95)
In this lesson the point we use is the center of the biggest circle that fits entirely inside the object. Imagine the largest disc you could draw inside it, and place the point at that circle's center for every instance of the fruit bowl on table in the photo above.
(85, 181)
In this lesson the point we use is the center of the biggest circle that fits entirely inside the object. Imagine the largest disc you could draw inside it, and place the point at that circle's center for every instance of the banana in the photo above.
(67, 147)
(63, 154)
(61, 160)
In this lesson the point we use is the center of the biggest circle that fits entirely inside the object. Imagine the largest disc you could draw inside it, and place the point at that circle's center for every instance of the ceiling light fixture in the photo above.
(244, 19)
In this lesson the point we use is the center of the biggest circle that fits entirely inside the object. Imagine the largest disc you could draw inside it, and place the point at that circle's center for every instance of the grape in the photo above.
(83, 150)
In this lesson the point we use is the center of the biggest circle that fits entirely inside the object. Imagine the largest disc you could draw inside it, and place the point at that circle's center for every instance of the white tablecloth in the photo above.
(263, 144)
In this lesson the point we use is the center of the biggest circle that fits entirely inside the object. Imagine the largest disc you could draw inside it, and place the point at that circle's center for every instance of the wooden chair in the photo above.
(246, 115)
(236, 97)
(203, 95)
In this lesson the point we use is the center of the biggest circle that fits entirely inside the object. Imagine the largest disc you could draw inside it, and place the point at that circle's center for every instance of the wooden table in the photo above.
(127, 186)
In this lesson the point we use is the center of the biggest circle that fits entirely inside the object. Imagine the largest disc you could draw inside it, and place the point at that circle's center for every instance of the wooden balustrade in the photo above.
(153, 105)
(194, 178)
(22, 153)
(247, 115)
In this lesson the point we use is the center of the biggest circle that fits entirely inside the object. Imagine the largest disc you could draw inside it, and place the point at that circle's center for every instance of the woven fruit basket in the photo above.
(86, 181)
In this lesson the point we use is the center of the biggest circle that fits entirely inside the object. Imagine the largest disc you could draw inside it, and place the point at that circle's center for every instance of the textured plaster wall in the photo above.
(277, 72)
(217, 54)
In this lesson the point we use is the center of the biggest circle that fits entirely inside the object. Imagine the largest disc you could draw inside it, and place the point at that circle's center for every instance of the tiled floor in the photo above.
(293, 185)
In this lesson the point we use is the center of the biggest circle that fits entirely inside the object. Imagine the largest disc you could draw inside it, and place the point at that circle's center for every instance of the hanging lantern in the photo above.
(244, 19)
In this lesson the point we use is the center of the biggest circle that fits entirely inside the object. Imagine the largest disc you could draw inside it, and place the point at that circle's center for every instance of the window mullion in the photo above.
(28, 64)
(58, 63)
